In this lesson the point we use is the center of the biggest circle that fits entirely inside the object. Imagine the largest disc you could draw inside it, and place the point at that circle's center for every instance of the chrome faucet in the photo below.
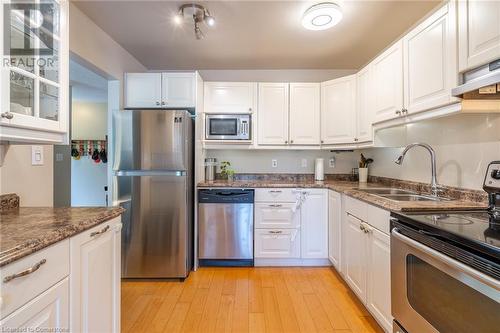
(434, 184)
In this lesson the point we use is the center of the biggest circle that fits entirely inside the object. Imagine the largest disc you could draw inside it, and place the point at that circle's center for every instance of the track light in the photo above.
(198, 14)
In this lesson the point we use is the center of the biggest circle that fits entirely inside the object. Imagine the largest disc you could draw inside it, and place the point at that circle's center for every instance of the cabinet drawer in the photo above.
(276, 215)
(53, 267)
(379, 218)
(277, 243)
(356, 208)
(276, 195)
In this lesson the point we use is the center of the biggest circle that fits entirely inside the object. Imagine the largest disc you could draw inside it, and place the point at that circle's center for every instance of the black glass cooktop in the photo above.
(478, 230)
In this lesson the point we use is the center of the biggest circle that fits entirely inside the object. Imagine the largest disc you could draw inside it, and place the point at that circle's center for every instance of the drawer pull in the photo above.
(276, 205)
(275, 191)
(100, 232)
(275, 232)
(30, 270)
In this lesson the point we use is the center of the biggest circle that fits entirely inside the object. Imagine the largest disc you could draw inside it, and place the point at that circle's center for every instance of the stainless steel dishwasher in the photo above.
(225, 219)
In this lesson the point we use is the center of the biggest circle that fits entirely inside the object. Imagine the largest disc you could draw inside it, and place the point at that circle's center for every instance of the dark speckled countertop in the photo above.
(28, 229)
(350, 188)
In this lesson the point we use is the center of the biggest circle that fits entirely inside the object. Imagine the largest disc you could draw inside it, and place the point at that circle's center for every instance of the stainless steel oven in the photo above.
(437, 285)
(228, 126)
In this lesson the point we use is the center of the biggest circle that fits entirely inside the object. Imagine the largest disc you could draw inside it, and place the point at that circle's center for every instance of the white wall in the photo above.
(279, 75)
(87, 182)
(34, 184)
(464, 146)
(89, 121)
(259, 161)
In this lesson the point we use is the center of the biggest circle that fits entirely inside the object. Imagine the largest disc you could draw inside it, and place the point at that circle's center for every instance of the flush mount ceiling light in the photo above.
(322, 16)
(198, 14)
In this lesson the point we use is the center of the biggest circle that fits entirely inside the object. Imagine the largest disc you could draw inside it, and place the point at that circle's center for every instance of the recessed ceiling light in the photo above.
(322, 16)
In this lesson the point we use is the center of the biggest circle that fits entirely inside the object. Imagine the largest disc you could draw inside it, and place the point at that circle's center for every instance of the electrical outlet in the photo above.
(304, 163)
(36, 155)
(331, 162)
(274, 163)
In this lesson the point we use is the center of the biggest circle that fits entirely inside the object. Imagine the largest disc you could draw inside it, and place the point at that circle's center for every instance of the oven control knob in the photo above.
(495, 174)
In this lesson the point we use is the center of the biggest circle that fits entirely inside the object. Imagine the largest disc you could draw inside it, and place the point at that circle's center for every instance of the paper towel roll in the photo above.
(319, 170)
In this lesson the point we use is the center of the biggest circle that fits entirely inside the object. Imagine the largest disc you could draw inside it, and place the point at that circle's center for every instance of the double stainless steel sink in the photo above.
(399, 194)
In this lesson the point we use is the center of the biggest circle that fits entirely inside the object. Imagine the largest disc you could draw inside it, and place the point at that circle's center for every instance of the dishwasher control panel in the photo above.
(217, 195)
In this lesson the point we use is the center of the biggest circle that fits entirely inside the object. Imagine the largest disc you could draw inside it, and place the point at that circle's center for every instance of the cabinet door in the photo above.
(430, 61)
(334, 231)
(479, 33)
(178, 90)
(364, 107)
(304, 113)
(276, 215)
(338, 110)
(273, 114)
(379, 277)
(314, 224)
(355, 256)
(387, 71)
(277, 243)
(95, 279)
(143, 90)
(230, 97)
(48, 312)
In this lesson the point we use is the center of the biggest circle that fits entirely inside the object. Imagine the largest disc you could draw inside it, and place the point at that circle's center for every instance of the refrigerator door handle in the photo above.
(150, 173)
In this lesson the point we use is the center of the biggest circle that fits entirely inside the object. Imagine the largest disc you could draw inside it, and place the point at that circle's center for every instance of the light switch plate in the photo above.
(331, 162)
(274, 163)
(304, 163)
(36, 155)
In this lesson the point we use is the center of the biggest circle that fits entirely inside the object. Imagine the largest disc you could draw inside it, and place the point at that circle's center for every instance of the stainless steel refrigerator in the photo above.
(153, 181)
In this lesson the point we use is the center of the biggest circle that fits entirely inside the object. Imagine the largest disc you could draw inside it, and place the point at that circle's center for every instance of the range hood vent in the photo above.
(480, 83)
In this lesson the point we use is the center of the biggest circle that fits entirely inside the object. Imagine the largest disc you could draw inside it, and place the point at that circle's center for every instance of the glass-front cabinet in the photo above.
(34, 71)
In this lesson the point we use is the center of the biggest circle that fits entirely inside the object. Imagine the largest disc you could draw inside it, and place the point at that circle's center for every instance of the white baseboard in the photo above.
(262, 262)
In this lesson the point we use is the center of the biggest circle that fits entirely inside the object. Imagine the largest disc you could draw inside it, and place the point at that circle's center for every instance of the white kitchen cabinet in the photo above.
(355, 256)
(430, 62)
(338, 110)
(272, 124)
(277, 243)
(48, 312)
(230, 97)
(479, 33)
(314, 224)
(178, 90)
(387, 83)
(143, 90)
(95, 279)
(160, 90)
(304, 113)
(35, 88)
(276, 215)
(334, 227)
(379, 277)
(364, 107)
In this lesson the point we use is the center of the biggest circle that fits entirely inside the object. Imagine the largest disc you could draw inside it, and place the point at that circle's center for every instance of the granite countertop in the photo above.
(29, 229)
(350, 188)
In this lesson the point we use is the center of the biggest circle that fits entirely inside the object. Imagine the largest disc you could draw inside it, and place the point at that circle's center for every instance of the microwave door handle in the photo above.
(446, 260)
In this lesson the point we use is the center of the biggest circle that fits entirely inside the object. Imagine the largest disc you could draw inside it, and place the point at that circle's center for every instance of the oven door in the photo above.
(432, 292)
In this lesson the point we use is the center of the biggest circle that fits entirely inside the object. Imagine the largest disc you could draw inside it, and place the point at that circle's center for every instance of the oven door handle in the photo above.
(447, 260)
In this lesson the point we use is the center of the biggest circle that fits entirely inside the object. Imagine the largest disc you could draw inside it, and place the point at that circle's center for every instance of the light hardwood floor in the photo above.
(246, 300)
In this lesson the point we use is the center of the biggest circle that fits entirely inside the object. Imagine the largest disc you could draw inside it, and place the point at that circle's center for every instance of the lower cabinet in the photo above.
(355, 256)
(48, 312)
(314, 226)
(95, 279)
(334, 227)
(277, 243)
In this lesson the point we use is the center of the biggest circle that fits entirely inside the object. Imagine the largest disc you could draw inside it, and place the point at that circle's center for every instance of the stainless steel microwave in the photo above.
(228, 126)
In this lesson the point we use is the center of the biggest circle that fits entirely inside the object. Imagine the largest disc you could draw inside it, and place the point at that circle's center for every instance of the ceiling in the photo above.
(254, 34)
(86, 86)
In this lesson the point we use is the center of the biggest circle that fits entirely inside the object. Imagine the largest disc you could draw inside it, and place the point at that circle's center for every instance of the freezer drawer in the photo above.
(226, 231)
(157, 225)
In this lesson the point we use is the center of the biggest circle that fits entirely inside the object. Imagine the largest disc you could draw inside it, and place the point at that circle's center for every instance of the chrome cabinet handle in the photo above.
(157, 103)
(275, 232)
(250, 109)
(286, 142)
(322, 141)
(30, 270)
(356, 139)
(398, 112)
(7, 115)
(100, 232)
(291, 141)
(362, 227)
(275, 191)
(404, 111)
(276, 205)
(163, 103)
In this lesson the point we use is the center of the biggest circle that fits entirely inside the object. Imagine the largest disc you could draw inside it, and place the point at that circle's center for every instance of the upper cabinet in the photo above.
(160, 90)
(364, 116)
(338, 110)
(430, 62)
(479, 33)
(387, 75)
(304, 113)
(34, 94)
(230, 97)
(272, 124)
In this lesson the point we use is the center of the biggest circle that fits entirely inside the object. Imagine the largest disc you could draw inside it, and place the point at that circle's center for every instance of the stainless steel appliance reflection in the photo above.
(153, 180)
